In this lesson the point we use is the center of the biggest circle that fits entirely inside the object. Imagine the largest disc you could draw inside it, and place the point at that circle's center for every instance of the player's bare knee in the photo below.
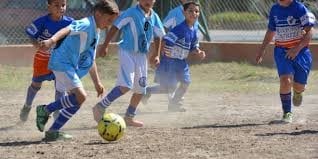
(124, 89)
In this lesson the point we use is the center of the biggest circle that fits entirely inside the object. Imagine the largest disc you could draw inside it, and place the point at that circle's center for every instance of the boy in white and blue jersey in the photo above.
(179, 44)
(43, 28)
(291, 24)
(139, 25)
(72, 58)
(176, 16)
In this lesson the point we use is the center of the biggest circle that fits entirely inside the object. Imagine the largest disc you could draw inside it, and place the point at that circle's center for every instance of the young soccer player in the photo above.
(72, 58)
(176, 16)
(41, 29)
(291, 24)
(179, 44)
(139, 25)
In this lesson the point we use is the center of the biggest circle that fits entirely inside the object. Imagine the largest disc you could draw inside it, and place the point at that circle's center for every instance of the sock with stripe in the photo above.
(64, 102)
(32, 91)
(64, 115)
(111, 96)
(286, 102)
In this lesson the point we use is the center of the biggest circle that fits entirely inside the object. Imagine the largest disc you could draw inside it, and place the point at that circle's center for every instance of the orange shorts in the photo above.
(40, 64)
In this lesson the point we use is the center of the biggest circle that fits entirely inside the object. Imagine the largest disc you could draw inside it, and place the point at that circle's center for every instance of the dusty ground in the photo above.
(216, 125)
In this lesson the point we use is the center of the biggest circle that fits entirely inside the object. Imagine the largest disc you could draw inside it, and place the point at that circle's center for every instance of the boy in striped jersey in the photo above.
(291, 24)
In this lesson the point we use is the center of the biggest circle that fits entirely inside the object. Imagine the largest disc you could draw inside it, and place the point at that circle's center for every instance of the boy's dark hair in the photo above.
(49, 1)
(186, 5)
(107, 7)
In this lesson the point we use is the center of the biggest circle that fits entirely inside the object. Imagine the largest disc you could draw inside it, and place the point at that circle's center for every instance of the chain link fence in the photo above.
(226, 20)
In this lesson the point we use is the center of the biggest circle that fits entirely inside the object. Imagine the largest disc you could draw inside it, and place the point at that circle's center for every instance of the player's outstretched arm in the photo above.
(267, 39)
(96, 80)
(55, 38)
(102, 49)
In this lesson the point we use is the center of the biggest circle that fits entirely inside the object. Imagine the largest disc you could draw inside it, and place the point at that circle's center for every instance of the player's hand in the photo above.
(167, 52)
(100, 89)
(259, 56)
(102, 50)
(292, 53)
(46, 44)
(201, 54)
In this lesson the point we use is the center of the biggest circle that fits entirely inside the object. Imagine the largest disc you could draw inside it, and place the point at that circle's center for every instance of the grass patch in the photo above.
(209, 77)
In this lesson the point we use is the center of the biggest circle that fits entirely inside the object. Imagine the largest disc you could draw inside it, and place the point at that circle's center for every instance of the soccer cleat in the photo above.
(24, 113)
(41, 117)
(130, 121)
(297, 98)
(287, 117)
(175, 107)
(56, 135)
(98, 112)
(145, 98)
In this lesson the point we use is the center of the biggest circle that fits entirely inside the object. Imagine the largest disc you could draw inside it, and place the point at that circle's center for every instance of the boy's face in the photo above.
(57, 8)
(284, 3)
(192, 13)
(147, 5)
(103, 21)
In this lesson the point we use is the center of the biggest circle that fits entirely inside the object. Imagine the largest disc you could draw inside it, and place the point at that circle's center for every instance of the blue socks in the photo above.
(64, 115)
(286, 102)
(111, 96)
(131, 111)
(31, 94)
(64, 102)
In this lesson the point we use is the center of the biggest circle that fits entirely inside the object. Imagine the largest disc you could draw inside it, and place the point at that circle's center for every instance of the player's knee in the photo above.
(124, 89)
(286, 81)
(81, 97)
(36, 85)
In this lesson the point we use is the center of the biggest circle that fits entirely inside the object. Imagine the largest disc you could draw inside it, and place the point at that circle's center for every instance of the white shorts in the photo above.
(132, 71)
(66, 81)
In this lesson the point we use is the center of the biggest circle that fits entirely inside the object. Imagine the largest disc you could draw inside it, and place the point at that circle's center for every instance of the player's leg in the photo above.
(31, 93)
(64, 81)
(285, 72)
(123, 85)
(139, 89)
(302, 67)
(182, 75)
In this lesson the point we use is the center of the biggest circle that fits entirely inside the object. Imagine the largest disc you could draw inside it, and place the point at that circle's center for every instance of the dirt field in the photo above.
(215, 125)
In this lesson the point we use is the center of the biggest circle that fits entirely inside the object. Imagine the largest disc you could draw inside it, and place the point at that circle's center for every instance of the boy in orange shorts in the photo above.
(41, 29)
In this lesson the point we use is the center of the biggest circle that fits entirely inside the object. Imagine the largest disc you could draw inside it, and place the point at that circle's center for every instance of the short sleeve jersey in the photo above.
(288, 23)
(181, 40)
(44, 27)
(138, 30)
(77, 50)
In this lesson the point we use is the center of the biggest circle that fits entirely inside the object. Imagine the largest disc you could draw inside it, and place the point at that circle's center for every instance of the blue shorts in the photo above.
(299, 67)
(171, 71)
(47, 77)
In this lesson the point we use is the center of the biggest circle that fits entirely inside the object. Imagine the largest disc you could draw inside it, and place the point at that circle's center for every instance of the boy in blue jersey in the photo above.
(179, 44)
(176, 16)
(41, 29)
(139, 25)
(291, 24)
(72, 58)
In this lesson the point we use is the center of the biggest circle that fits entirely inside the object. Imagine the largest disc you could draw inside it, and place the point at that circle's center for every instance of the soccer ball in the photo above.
(111, 127)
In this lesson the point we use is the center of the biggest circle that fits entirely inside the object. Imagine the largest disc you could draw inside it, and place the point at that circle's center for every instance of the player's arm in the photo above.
(269, 35)
(96, 80)
(102, 49)
(155, 56)
(197, 53)
(56, 37)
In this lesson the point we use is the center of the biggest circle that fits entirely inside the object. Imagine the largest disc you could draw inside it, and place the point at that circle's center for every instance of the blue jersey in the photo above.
(44, 27)
(77, 50)
(288, 23)
(138, 30)
(181, 40)
(175, 17)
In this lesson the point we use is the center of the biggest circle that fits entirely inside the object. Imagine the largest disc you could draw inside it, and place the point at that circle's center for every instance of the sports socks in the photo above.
(59, 94)
(64, 115)
(32, 91)
(64, 102)
(111, 96)
(131, 111)
(286, 102)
